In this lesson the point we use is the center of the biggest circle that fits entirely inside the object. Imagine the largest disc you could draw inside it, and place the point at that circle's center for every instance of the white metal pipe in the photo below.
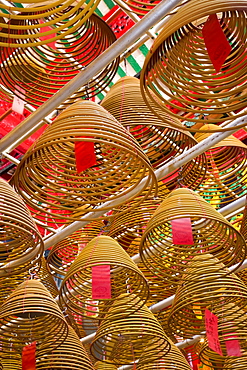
(167, 168)
(32, 122)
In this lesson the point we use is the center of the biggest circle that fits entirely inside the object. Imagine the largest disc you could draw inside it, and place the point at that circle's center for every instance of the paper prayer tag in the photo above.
(84, 155)
(232, 345)
(29, 357)
(182, 231)
(216, 43)
(101, 282)
(18, 101)
(211, 324)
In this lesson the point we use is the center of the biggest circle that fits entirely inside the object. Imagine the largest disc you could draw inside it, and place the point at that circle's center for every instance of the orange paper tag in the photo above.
(28, 357)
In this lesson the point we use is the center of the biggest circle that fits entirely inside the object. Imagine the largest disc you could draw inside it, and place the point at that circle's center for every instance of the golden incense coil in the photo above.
(47, 176)
(21, 245)
(226, 178)
(207, 287)
(159, 140)
(76, 289)
(178, 69)
(31, 314)
(122, 340)
(211, 232)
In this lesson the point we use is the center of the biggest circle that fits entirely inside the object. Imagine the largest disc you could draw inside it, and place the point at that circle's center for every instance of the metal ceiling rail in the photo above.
(33, 122)
(163, 171)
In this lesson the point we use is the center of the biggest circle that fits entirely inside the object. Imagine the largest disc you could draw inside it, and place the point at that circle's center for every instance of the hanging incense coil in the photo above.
(42, 70)
(207, 287)
(38, 23)
(30, 314)
(127, 229)
(10, 283)
(162, 317)
(179, 71)
(77, 326)
(211, 232)
(76, 289)
(101, 365)
(243, 227)
(231, 326)
(11, 361)
(226, 178)
(123, 339)
(159, 289)
(46, 278)
(48, 179)
(157, 137)
(21, 245)
(69, 355)
(173, 360)
(236, 363)
(63, 254)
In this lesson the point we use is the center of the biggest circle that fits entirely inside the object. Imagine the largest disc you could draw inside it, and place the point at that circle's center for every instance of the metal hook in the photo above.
(32, 274)
(180, 178)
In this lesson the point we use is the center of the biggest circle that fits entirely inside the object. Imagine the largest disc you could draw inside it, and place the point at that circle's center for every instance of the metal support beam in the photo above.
(33, 122)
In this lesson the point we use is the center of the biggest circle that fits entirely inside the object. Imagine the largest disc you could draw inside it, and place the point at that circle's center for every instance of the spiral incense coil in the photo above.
(10, 361)
(157, 137)
(231, 326)
(42, 70)
(30, 314)
(10, 283)
(211, 233)
(173, 360)
(123, 339)
(76, 322)
(70, 355)
(101, 365)
(41, 23)
(128, 228)
(47, 176)
(46, 278)
(243, 228)
(236, 363)
(162, 317)
(179, 71)
(76, 289)
(202, 290)
(21, 245)
(158, 288)
(226, 178)
(65, 252)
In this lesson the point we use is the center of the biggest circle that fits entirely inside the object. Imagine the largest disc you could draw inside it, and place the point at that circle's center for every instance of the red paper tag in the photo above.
(211, 324)
(18, 102)
(52, 44)
(182, 231)
(84, 155)
(216, 42)
(28, 357)
(101, 282)
(233, 347)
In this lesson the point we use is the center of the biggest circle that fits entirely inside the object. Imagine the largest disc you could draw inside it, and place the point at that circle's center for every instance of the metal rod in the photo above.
(32, 122)
(167, 168)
